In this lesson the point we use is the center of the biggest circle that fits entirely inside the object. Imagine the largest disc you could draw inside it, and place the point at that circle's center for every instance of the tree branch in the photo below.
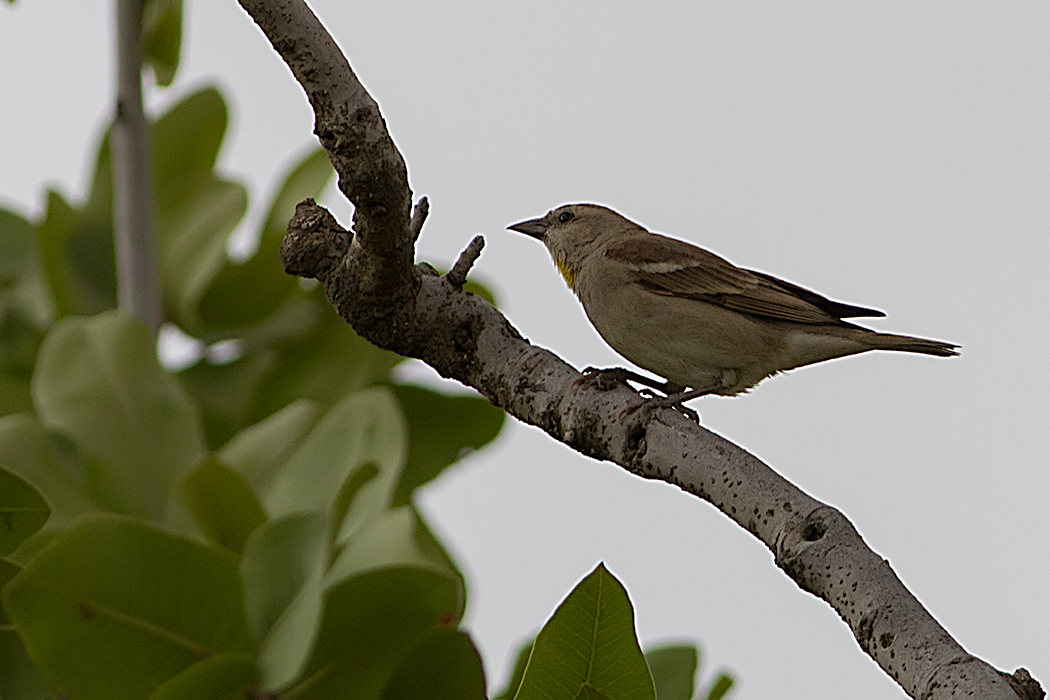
(419, 217)
(369, 278)
(458, 274)
(138, 290)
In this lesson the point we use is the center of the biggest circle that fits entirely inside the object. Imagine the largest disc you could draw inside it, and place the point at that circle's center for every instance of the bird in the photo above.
(702, 324)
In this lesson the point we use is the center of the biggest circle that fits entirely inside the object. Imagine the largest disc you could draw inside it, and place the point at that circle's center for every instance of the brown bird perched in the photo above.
(693, 318)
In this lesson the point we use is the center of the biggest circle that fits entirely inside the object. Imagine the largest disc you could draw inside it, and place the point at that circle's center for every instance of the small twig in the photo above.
(419, 215)
(458, 274)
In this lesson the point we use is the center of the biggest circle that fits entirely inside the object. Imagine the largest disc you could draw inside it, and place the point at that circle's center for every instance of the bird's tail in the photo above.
(907, 343)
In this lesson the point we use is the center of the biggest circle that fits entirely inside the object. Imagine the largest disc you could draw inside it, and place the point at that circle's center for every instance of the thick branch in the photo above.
(372, 173)
(465, 338)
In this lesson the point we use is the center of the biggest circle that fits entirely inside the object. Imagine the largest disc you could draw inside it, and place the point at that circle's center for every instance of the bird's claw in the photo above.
(606, 379)
(654, 403)
(687, 412)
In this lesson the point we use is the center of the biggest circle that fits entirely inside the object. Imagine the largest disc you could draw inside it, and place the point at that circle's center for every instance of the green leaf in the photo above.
(397, 537)
(8, 570)
(244, 294)
(325, 364)
(588, 692)
(187, 138)
(20, 678)
(59, 224)
(195, 217)
(15, 396)
(222, 677)
(46, 462)
(352, 486)
(297, 316)
(589, 639)
(443, 664)
(99, 382)
(162, 38)
(224, 393)
(76, 252)
(364, 427)
(674, 671)
(278, 560)
(440, 429)
(519, 671)
(23, 511)
(76, 245)
(391, 582)
(259, 451)
(370, 621)
(282, 570)
(222, 503)
(20, 335)
(196, 209)
(18, 248)
(22, 284)
(720, 687)
(114, 607)
(25, 310)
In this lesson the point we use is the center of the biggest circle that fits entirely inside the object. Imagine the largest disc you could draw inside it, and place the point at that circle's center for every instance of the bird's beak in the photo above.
(537, 228)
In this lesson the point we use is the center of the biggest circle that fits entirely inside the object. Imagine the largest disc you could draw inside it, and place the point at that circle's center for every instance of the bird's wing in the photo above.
(836, 308)
(674, 268)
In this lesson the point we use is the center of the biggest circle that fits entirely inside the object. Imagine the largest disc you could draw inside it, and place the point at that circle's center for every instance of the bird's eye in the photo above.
(565, 217)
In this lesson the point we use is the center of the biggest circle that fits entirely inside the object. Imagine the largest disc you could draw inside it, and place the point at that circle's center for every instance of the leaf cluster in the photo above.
(243, 526)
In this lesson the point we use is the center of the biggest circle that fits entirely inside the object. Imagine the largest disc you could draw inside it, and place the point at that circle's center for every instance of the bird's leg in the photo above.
(674, 395)
(677, 400)
(677, 396)
(685, 394)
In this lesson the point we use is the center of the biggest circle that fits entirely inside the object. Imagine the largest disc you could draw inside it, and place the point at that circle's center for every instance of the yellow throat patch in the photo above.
(567, 273)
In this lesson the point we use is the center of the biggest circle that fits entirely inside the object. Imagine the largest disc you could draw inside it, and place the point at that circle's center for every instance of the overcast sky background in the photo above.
(893, 155)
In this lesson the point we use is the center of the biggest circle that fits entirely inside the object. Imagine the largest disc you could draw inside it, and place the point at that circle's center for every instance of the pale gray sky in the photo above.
(894, 155)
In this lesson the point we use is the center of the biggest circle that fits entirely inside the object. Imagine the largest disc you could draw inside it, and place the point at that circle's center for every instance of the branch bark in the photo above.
(370, 279)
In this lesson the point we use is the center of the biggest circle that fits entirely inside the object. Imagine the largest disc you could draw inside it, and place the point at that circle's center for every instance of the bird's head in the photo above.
(573, 231)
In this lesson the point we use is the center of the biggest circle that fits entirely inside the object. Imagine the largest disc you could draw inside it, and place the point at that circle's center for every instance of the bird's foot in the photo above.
(671, 395)
(655, 403)
(675, 401)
